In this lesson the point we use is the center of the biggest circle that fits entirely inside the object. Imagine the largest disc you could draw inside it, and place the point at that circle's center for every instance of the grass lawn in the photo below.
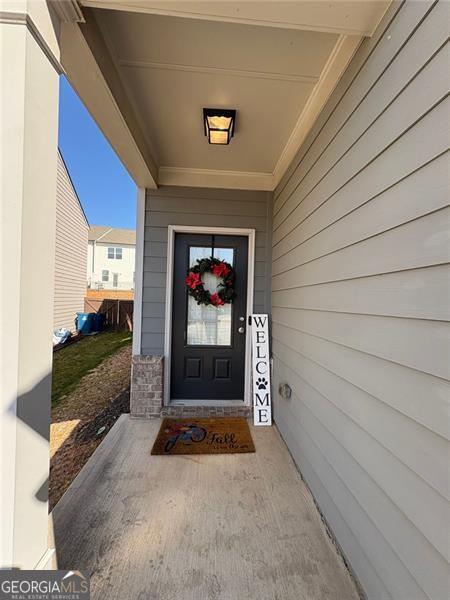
(72, 363)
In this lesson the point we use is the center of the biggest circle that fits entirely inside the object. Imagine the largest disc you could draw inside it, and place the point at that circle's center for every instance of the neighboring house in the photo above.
(332, 202)
(111, 258)
(70, 252)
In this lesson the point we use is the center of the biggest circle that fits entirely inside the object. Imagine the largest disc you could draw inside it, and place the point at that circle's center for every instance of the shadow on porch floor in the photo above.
(224, 527)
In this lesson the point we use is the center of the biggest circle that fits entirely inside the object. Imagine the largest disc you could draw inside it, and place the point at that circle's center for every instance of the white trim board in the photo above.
(46, 561)
(230, 72)
(171, 231)
(210, 178)
(333, 16)
(139, 271)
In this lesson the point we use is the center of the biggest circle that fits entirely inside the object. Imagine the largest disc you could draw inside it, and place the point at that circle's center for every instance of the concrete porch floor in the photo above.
(224, 527)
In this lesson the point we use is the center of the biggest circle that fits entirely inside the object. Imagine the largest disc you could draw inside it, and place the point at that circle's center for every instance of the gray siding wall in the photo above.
(361, 306)
(70, 253)
(203, 207)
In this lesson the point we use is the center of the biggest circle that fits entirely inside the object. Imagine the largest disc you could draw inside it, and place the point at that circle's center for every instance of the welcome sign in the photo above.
(262, 405)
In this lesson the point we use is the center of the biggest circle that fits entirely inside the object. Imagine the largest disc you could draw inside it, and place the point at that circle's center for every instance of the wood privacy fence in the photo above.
(114, 294)
(118, 313)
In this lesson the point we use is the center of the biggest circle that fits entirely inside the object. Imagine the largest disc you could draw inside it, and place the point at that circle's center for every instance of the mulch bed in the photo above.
(83, 418)
(89, 431)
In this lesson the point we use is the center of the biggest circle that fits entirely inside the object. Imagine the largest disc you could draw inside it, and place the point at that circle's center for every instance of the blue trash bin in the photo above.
(98, 321)
(84, 322)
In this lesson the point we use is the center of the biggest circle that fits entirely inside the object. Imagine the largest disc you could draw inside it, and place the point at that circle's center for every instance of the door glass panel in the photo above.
(197, 253)
(209, 325)
(226, 254)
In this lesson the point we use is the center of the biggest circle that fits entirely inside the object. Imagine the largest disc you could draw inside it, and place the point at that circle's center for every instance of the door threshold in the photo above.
(207, 403)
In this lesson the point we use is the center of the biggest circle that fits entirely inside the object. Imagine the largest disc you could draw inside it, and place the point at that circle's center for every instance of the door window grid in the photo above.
(209, 325)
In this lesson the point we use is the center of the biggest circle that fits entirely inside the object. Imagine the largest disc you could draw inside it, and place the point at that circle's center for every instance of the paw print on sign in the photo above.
(261, 383)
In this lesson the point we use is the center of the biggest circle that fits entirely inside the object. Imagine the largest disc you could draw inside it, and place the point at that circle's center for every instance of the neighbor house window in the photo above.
(105, 275)
(115, 253)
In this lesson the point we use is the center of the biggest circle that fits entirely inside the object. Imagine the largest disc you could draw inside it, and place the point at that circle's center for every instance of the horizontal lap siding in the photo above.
(70, 254)
(201, 207)
(361, 307)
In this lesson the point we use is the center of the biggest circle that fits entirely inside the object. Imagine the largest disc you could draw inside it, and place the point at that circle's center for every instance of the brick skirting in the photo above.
(146, 397)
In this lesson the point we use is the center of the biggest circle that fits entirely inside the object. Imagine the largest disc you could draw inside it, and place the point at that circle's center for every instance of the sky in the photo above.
(106, 191)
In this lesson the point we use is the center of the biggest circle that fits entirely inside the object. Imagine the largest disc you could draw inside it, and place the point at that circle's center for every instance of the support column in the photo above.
(29, 124)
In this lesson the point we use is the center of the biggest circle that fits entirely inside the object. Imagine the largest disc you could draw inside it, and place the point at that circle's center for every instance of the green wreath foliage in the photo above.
(225, 290)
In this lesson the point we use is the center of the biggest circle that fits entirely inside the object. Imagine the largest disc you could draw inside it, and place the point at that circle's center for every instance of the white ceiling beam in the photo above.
(68, 11)
(91, 71)
(238, 180)
(219, 71)
(344, 17)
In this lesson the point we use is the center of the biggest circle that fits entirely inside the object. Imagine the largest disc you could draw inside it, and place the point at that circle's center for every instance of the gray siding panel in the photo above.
(361, 308)
(401, 203)
(207, 208)
(70, 252)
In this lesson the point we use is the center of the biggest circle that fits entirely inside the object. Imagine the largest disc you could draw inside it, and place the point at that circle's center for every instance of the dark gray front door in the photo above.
(208, 343)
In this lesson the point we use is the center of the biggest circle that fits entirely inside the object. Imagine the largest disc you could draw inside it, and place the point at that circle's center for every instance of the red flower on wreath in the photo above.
(193, 280)
(220, 270)
(216, 300)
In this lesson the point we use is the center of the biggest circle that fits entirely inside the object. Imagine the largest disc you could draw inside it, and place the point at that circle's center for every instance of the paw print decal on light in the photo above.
(261, 382)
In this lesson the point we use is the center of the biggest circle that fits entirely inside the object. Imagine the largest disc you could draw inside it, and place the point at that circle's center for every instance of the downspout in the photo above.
(93, 258)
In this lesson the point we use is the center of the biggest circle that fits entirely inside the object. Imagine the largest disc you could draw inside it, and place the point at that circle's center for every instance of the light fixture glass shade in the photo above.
(218, 137)
(219, 125)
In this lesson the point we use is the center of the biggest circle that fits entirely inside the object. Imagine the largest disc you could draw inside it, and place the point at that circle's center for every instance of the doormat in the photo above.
(203, 436)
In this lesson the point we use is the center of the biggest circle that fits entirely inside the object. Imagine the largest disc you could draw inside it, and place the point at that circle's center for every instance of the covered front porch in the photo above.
(230, 526)
(337, 178)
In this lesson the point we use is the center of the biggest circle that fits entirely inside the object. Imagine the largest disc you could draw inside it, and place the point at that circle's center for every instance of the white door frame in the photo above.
(172, 230)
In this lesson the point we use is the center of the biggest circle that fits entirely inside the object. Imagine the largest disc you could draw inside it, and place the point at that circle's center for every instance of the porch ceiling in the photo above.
(277, 76)
(174, 67)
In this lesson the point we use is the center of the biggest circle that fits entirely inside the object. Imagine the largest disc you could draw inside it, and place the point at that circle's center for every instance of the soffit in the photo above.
(276, 63)
(173, 67)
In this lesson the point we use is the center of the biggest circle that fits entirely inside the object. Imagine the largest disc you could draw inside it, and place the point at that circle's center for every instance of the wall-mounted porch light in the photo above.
(219, 124)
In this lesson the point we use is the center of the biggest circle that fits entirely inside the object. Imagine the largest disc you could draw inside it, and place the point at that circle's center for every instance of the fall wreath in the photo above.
(225, 288)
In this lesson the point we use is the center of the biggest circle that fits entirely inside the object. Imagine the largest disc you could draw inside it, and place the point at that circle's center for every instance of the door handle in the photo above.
(241, 330)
